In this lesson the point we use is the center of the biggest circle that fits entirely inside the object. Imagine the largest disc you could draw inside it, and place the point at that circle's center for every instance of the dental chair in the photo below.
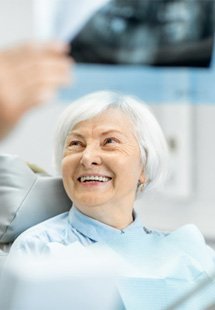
(26, 198)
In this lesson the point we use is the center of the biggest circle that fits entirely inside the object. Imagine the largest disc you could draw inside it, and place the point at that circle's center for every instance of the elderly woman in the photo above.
(110, 149)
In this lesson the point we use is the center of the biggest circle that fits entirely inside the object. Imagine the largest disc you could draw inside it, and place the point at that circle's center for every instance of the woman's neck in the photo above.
(117, 217)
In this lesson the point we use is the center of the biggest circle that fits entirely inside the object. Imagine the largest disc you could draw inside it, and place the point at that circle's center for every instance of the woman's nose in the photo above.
(91, 156)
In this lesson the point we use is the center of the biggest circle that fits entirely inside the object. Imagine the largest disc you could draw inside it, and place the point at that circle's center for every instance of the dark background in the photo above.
(150, 32)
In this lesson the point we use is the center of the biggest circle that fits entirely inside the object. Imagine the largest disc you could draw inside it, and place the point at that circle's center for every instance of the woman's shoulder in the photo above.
(189, 240)
(188, 237)
(55, 223)
(185, 234)
(48, 231)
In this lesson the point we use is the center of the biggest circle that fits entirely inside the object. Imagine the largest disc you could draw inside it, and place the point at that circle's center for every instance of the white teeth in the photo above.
(94, 178)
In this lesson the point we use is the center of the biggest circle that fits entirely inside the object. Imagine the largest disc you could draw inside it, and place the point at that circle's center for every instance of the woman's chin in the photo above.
(90, 201)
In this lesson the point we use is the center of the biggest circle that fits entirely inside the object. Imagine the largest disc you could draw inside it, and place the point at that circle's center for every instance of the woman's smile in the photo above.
(93, 179)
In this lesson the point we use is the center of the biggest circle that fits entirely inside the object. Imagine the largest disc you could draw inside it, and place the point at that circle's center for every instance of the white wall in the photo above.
(199, 206)
(16, 21)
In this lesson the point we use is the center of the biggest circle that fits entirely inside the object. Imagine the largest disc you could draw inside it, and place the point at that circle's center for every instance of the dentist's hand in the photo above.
(30, 75)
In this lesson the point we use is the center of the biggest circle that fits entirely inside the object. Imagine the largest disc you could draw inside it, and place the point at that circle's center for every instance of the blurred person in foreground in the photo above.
(110, 150)
(30, 74)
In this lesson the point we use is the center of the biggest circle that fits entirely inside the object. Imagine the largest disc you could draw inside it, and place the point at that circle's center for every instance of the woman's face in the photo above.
(101, 166)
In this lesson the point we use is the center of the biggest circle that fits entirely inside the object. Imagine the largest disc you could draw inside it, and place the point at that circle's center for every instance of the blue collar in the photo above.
(99, 231)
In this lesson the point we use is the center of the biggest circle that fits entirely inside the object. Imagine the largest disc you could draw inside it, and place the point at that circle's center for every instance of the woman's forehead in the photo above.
(109, 120)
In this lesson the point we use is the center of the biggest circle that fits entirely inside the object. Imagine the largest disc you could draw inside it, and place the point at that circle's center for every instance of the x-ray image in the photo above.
(150, 32)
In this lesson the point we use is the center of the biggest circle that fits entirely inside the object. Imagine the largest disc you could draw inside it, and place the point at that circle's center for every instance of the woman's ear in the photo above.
(142, 178)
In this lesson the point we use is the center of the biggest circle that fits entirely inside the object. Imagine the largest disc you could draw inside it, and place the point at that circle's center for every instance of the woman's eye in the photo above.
(111, 140)
(75, 143)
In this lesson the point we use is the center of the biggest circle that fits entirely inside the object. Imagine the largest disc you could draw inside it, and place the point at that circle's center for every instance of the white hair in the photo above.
(153, 146)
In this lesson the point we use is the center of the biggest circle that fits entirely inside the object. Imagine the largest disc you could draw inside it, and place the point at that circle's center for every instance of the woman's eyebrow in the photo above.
(112, 131)
(74, 134)
(104, 133)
